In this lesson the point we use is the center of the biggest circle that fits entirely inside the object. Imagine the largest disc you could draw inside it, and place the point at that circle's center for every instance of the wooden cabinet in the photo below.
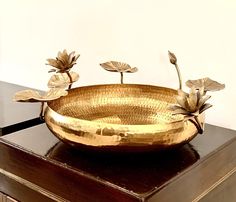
(5, 198)
(36, 166)
(16, 116)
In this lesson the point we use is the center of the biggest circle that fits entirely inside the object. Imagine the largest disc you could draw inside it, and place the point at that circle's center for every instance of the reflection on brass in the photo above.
(173, 60)
(62, 80)
(206, 83)
(191, 105)
(120, 67)
(63, 63)
(115, 115)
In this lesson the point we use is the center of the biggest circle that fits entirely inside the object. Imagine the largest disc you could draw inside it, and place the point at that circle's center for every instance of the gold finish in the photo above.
(206, 83)
(173, 60)
(62, 80)
(63, 63)
(119, 117)
(34, 96)
(120, 67)
(191, 105)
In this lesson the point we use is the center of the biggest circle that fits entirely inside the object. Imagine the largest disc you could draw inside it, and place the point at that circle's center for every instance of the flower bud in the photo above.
(172, 57)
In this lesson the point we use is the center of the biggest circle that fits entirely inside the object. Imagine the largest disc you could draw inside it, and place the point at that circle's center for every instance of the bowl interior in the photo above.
(126, 104)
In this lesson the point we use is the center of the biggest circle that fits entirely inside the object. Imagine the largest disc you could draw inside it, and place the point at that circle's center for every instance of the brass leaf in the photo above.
(62, 80)
(121, 67)
(206, 83)
(35, 96)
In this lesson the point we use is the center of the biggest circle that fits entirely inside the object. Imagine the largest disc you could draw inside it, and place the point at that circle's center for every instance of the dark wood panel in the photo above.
(200, 177)
(20, 192)
(6, 198)
(58, 178)
(224, 192)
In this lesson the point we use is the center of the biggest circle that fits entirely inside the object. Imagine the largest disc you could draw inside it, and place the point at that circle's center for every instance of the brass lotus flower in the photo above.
(191, 105)
(120, 67)
(206, 83)
(35, 96)
(173, 60)
(62, 80)
(63, 62)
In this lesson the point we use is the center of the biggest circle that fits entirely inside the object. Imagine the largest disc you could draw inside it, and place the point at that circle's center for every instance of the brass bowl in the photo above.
(119, 117)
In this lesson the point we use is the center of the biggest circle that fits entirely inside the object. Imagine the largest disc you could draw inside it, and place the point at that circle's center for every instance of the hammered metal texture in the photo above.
(119, 117)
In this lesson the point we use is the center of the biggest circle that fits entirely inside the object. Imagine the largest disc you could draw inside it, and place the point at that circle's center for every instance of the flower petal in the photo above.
(204, 107)
(203, 100)
(52, 62)
(71, 56)
(180, 111)
(63, 61)
(192, 100)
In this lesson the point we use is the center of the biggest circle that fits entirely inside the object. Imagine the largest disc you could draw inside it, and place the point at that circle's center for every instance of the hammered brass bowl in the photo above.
(119, 117)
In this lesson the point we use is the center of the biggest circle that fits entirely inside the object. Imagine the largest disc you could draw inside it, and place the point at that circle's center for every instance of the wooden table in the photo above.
(15, 116)
(36, 166)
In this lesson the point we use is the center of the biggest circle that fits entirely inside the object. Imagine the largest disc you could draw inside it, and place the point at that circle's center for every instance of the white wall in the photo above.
(202, 34)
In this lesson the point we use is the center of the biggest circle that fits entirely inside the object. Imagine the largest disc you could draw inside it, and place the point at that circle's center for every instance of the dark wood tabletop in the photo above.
(36, 165)
(15, 116)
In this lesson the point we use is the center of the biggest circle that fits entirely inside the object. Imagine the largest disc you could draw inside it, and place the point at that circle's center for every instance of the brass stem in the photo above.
(69, 87)
(121, 77)
(200, 127)
(179, 75)
(195, 124)
(41, 115)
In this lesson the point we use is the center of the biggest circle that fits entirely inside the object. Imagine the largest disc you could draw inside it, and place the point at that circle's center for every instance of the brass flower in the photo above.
(62, 80)
(191, 105)
(120, 67)
(206, 83)
(35, 96)
(63, 62)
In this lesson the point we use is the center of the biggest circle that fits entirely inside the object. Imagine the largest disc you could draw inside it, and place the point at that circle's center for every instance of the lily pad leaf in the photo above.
(207, 83)
(62, 80)
(35, 96)
(114, 66)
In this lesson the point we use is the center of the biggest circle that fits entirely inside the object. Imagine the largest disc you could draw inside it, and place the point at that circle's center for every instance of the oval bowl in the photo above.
(119, 117)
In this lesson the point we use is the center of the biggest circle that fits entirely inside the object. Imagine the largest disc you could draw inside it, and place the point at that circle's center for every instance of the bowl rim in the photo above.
(68, 119)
